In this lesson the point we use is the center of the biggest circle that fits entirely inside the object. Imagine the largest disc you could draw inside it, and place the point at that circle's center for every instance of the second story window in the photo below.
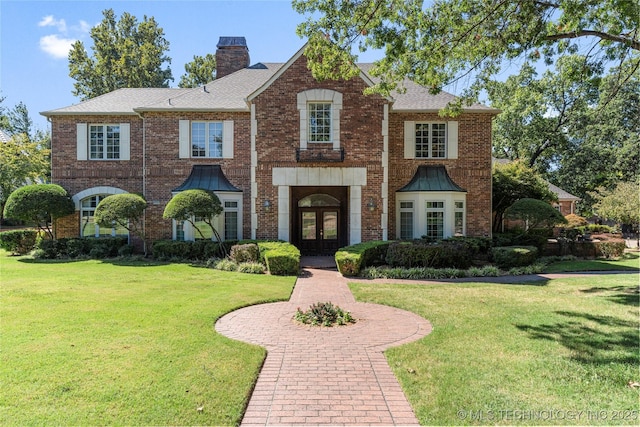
(431, 140)
(206, 139)
(319, 122)
(104, 142)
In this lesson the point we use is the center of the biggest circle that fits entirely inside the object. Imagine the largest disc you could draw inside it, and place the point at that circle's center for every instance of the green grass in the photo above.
(563, 345)
(93, 343)
(630, 261)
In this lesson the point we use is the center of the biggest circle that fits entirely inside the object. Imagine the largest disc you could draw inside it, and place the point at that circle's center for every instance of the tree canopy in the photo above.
(622, 204)
(199, 71)
(190, 204)
(125, 210)
(514, 181)
(126, 53)
(535, 213)
(39, 203)
(470, 41)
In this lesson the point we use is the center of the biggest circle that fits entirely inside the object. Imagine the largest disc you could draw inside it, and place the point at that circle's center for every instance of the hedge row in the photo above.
(444, 254)
(199, 250)
(514, 256)
(97, 248)
(281, 258)
(18, 242)
(351, 259)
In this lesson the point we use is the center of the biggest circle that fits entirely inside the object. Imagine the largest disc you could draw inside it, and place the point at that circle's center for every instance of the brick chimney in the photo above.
(232, 54)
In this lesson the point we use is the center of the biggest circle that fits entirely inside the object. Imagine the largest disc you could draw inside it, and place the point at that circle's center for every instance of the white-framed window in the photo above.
(319, 117)
(435, 220)
(459, 218)
(228, 224)
(88, 226)
(430, 140)
(103, 141)
(319, 122)
(205, 139)
(406, 220)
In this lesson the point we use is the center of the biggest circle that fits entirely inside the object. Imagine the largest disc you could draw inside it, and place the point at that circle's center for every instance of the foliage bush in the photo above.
(427, 273)
(18, 242)
(536, 213)
(199, 250)
(444, 254)
(281, 258)
(248, 252)
(98, 248)
(224, 264)
(535, 238)
(351, 259)
(251, 268)
(610, 249)
(325, 314)
(514, 256)
(574, 221)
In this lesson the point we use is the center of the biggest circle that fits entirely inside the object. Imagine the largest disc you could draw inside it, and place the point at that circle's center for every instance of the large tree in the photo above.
(126, 53)
(448, 41)
(199, 71)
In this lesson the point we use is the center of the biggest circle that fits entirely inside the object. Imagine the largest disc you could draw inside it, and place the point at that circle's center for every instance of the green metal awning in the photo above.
(207, 177)
(432, 178)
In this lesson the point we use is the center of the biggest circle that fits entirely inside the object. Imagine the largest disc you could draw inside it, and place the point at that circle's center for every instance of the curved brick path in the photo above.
(336, 376)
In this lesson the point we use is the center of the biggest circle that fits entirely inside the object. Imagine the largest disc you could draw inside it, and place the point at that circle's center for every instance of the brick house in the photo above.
(318, 164)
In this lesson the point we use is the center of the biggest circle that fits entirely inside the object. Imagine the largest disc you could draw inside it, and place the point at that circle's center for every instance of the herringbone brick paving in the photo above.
(325, 376)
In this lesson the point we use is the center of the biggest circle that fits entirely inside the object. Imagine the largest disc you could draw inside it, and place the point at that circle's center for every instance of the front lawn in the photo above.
(629, 261)
(557, 352)
(95, 343)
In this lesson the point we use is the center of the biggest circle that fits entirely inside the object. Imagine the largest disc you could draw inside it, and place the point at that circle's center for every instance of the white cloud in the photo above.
(50, 21)
(56, 46)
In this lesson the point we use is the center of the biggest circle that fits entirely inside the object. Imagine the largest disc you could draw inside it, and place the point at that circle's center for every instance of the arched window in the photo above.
(88, 226)
(318, 200)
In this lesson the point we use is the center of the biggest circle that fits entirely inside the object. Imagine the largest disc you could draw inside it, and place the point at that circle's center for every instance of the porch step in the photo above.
(322, 262)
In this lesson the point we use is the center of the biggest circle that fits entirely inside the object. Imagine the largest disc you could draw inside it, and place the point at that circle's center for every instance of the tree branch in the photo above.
(632, 43)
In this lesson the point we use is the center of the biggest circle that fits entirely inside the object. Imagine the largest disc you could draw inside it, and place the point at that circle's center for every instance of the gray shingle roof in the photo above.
(230, 93)
(562, 194)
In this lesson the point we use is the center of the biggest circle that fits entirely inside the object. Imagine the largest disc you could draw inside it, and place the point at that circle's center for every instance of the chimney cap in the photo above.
(226, 41)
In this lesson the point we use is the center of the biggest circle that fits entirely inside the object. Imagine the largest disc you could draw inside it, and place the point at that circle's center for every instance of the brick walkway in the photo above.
(321, 376)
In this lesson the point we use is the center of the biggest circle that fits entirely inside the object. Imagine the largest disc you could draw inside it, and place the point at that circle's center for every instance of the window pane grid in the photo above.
(319, 122)
(431, 140)
(88, 226)
(435, 220)
(104, 142)
(230, 225)
(206, 139)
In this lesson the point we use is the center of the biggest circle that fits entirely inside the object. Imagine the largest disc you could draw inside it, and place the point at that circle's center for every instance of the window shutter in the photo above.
(227, 139)
(452, 140)
(409, 140)
(125, 141)
(81, 141)
(184, 139)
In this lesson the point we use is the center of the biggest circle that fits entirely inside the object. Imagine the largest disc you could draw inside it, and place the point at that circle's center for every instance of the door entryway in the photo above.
(319, 219)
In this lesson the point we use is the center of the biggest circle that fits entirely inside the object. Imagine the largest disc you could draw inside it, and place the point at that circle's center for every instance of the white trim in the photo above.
(82, 141)
(419, 199)
(384, 217)
(452, 140)
(94, 191)
(354, 178)
(227, 139)
(409, 139)
(319, 96)
(184, 139)
(125, 141)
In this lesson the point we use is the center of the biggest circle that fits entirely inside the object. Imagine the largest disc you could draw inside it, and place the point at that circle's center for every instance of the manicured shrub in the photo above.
(351, 259)
(18, 242)
(281, 258)
(610, 249)
(507, 257)
(574, 221)
(224, 264)
(199, 250)
(245, 253)
(444, 254)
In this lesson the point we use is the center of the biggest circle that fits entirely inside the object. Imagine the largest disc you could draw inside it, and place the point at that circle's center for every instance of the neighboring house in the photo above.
(566, 201)
(318, 164)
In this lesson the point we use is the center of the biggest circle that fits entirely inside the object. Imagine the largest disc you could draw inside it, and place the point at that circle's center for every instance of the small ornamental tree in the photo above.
(39, 203)
(621, 205)
(535, 213)
(191, 204)
(126, 210)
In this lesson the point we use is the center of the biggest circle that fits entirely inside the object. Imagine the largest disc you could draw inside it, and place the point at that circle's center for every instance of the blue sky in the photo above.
(35, 37)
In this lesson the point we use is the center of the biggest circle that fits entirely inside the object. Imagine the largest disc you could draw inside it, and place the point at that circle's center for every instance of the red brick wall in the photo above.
(278, 136)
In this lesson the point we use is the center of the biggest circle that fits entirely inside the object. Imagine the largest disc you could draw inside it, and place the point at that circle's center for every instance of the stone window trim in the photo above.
(451, 139)
(315, 96)
(83, 151)
(185, 150)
